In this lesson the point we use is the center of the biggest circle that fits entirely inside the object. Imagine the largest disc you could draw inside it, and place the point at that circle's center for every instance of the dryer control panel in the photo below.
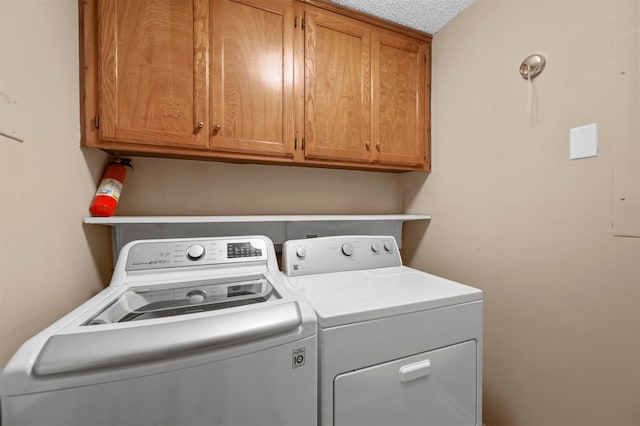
(339, 253)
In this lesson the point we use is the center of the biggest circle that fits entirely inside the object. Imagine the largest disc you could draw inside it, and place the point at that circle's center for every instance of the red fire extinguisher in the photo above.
(106, 199)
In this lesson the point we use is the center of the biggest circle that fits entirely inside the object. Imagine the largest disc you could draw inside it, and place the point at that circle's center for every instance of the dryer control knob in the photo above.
(388, 247)
(347, 249)
(301, 252)
(195, 252)
(375, 247)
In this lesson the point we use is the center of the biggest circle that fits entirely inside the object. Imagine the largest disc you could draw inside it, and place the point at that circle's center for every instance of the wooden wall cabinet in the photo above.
(269, 81)
(400, 99)
(337, 87)
(152, 72)
(252, 77)
(365, 92)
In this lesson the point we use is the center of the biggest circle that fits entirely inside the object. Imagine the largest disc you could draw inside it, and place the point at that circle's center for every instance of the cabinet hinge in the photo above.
(97, 121)
(303, 24)
(295, 22)
(295, 143)
(303, 144)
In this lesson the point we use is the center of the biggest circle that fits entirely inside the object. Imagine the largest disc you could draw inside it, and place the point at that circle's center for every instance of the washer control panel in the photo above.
(192, 252)
(338, 254)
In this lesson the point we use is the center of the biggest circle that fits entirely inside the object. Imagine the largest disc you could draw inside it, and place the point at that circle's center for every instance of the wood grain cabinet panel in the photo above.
(252, 76)
(152, 69)
(400, 119)
(365, 92)
(337, 87)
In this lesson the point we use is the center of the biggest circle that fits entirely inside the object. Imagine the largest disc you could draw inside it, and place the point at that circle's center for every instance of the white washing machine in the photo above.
(397, 346)
(189, 332)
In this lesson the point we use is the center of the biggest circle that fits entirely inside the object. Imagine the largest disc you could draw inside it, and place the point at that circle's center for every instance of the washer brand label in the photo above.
(297, 356)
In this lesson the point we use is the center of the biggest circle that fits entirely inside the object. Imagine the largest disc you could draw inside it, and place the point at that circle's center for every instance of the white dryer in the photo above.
(189, 332)
(397, 346)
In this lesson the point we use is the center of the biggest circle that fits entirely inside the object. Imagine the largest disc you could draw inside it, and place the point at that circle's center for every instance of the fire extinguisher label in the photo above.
(110, 188)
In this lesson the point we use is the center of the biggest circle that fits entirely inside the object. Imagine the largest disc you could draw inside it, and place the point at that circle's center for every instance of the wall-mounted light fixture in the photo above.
(532, 66)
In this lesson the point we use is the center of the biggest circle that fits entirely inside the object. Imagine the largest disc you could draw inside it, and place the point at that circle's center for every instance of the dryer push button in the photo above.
(347, 249)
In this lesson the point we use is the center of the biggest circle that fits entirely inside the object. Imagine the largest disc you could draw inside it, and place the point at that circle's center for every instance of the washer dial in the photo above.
(195, 252)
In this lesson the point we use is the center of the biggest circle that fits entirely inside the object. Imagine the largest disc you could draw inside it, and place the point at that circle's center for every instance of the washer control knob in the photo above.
(388, 247)
(195, 252)
(301, 252)
(347, 249)
(375, 247)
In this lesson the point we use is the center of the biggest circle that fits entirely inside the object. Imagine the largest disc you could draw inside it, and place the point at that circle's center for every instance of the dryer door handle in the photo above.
(415, 371)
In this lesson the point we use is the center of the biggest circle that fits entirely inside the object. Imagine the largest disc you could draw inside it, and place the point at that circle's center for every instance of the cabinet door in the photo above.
(400, 65)
(337, 87)
(153, 85)
(252, 76)
(433, 388)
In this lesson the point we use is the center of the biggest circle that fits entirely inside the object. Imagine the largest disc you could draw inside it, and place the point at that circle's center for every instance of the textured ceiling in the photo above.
(424, 15)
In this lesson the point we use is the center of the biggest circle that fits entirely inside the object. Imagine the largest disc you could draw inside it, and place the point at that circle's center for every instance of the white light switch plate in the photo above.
(583, 141)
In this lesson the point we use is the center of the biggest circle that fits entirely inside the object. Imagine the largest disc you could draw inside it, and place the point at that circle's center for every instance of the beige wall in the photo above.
(49, 261)
(511, 214)
(515, 217)
(186, 187)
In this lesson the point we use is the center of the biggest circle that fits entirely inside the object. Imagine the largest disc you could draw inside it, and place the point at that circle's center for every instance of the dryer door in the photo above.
(434, 388)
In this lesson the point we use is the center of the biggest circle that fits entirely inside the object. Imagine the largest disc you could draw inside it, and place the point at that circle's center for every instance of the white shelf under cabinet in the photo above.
(279, 228)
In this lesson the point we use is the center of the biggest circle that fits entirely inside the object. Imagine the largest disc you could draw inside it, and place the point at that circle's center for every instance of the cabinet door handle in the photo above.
(415, 371)
(217, 128)
(199, 126)
(368, 145)
(378, 145)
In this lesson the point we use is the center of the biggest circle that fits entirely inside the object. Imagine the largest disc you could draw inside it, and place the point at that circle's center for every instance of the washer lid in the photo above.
(90, 351)
(174, 299)
(347, 297)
